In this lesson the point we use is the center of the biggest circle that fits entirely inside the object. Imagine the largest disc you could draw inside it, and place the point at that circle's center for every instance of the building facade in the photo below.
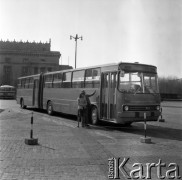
(26, 58)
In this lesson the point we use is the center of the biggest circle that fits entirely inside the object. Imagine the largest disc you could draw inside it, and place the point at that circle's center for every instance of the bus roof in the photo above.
(97, 66)
(90, 67)
(7, 86)
(81, 68)
(135, 63)
(29, 76)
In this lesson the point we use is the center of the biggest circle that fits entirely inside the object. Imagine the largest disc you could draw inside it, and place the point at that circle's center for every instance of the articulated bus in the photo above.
(124, 92)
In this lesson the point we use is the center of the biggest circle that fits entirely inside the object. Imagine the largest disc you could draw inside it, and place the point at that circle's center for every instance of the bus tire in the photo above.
(22, 105)
(128, 124)
(50, 108)
(94, 115)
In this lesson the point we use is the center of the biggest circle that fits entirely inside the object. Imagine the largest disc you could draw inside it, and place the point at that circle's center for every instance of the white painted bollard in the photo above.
(31, 140)
(161, 119)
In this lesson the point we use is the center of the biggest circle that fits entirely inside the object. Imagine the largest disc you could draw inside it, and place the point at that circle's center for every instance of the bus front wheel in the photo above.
(50, 108)
(94, 115)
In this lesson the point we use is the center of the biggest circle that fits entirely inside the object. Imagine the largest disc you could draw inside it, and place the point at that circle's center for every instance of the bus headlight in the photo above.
(126, 108)
(158, 108)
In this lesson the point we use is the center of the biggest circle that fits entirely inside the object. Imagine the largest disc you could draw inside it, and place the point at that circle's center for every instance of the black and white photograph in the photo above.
(90, 89)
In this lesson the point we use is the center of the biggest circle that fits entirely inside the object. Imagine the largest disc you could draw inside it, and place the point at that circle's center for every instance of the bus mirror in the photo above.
(122, 73)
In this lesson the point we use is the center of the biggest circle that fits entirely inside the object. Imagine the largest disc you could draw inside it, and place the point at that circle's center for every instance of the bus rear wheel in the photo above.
(94, 115)
(128, 124)
(50, 108)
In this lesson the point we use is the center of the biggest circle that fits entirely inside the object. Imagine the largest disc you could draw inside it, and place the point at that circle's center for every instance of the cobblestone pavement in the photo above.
(68, 152)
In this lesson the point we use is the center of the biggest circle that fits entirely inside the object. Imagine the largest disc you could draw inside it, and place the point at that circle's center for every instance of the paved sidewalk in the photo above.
(68, 152)
(64, 151)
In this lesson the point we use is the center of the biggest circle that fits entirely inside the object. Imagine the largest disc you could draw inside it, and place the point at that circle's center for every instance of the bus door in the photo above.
(36, 92)
(108, 95)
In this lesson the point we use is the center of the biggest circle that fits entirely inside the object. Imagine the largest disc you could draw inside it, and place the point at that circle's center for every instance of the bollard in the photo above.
(161, 119)
(78, 118)
(31, 131)
(145, 139)
(31, 140)
(145, 124)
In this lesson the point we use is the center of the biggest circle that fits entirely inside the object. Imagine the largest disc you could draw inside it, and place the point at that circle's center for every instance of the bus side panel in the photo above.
(40, 92)
(26, 95)
(65, 99)
(35, 93)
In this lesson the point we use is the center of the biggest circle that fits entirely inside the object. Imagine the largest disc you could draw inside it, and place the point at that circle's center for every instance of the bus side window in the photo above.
(78, 79)
(27, 83)
(36, 85)
(66, 80)
(31, 83)
(22, 83)
(96, 78)
(92, 78)
(57, 80)
(48, 81)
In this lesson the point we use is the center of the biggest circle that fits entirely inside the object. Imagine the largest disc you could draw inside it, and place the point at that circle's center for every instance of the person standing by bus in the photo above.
(88, 107)
(82, 104)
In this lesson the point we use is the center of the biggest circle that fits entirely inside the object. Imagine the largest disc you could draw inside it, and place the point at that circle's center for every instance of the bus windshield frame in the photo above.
(137, 82)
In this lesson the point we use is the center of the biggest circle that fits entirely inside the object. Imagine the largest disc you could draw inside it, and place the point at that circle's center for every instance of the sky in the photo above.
(145, 31)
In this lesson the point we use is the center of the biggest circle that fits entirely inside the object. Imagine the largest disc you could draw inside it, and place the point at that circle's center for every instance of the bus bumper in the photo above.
(129, 117)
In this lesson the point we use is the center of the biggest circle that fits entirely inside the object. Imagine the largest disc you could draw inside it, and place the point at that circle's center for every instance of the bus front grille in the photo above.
(142, 108)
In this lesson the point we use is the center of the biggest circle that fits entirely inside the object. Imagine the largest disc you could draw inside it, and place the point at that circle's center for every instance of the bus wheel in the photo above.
(94, 115)
(128, 124)
(50, 108)
(22, 104)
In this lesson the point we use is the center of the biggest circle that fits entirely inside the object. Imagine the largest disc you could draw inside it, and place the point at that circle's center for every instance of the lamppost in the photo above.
(76, 38)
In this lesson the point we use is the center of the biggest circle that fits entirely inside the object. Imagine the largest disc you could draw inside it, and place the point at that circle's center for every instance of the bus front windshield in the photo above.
(138, 82)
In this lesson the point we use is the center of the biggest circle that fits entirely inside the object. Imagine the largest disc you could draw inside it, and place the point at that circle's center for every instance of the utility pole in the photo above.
(76, 38)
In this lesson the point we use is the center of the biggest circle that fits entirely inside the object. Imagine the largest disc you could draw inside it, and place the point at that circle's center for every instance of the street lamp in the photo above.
(76, 38)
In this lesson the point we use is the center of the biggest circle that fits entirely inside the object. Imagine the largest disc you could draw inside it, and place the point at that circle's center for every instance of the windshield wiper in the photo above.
(137, 90)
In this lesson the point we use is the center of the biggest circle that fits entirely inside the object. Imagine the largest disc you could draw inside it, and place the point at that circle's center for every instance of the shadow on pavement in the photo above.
(135, 128)
(152, 130)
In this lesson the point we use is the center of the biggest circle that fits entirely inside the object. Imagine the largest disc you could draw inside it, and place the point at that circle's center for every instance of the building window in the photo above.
(35, 70)
(25, 60)
(7, 60)
(49, 69)
(7, 75)
(42, 69)
(25, 71)
(29, 70)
